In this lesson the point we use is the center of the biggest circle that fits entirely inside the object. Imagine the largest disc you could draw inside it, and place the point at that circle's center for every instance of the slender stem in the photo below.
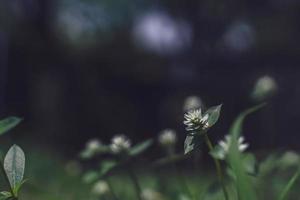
(7, 181)
(182, 181)
(135, 183)
(113, 194)
(179, 176)
(218, 167)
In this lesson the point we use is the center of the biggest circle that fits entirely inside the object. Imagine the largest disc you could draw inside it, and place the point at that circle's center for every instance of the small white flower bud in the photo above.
(192, 103)
(100, 188)
(265, 87)
(167, 138)
(120, 143)
(92, 148)
(93, 145)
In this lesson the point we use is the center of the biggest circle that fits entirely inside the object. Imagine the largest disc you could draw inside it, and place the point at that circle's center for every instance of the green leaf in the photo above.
(191, 143)
(283, 195)
(90, 176)
(107, 166)
(243, 182)
(8, 123)
(18, 187)
(218, 153)
(4, 195)
(14, 165)
(139, 148)
(250, 164)
(213, 114)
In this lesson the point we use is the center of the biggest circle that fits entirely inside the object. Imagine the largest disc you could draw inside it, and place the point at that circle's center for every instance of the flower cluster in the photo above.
(195, 122)
(120, 143)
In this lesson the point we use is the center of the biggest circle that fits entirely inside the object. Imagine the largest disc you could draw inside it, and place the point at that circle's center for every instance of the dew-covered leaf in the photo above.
(14, 165)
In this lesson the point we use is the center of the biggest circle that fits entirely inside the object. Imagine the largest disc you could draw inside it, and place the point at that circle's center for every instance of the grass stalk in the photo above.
(218, 167)
(135, 182)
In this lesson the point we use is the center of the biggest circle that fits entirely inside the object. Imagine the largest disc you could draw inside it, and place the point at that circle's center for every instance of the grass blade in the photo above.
(283, 195)
(245, 188)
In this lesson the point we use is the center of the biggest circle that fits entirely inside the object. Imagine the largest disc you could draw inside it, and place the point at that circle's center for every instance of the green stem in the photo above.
(135, 182)
(7, 181)
(182, 181)
(113, 194)
(218, 167)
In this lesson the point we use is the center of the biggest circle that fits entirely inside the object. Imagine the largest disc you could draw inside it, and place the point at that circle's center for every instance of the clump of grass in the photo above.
(236, 169)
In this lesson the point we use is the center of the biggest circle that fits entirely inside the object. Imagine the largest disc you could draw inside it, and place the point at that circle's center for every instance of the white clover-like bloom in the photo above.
(120, 143)
(194, 121)
(93, 145)
(191, 103)
(100, 188)
(225, 145)
(167, 137)
(149, 194)
(92, 148)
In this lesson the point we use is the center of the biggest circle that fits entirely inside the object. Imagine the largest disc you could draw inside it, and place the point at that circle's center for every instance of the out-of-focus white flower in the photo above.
(149, 194)
(265, 87)
(167, 138)
(120, 143)
(192, 103)
(100, 188)
(195, 122)
(93, 147)
(239, 37)
(158, 32)
(225, 145)
(289, 159)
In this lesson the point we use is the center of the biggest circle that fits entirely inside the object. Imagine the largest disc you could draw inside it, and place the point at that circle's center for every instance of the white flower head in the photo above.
(225, 145)
(194, 121)
(100, 188)
(191, 103)
(167, 138)
(120, 143)
(93, 145)
(92, 148)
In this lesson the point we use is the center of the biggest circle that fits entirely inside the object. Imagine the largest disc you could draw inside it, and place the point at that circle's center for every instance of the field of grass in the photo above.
(120, 171)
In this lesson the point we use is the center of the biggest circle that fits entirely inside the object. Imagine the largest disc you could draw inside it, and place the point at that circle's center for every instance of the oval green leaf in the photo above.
(14, 165)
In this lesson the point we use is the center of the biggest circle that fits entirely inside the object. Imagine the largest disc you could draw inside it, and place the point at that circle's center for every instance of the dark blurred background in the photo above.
(80, 69)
